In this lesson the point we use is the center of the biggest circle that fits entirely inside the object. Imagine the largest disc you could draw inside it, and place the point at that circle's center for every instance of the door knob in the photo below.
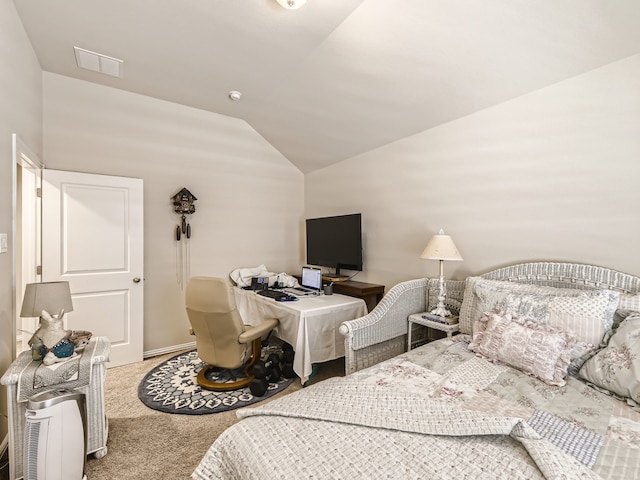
(136, 279)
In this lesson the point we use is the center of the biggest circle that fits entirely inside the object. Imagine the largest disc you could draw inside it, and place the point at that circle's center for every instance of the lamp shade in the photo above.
(52, 297)
(441, 247)
(291, 4)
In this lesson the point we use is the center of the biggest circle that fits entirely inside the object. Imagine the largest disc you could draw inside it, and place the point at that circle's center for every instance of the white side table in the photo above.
(23, 373)
(442, 325)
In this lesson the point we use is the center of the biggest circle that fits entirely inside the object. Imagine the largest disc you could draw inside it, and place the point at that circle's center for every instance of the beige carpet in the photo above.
(144, 443)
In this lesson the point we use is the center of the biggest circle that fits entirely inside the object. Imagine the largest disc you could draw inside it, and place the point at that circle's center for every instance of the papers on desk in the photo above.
(300, 292)
(242, 276)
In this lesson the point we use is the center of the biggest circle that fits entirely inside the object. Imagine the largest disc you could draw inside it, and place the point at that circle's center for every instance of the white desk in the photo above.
(310, 324)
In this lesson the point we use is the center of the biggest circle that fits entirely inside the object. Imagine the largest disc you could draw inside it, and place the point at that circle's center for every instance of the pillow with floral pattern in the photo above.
(616, 368)
(533, 348)
(588, 314)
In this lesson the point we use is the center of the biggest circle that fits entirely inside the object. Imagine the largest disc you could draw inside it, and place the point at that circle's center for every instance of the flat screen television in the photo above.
(335, 242)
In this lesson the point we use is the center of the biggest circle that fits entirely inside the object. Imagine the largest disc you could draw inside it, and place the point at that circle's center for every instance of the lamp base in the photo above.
(441, 311)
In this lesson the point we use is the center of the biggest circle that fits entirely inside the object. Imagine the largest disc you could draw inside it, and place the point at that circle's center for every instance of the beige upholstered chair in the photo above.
(222, 339)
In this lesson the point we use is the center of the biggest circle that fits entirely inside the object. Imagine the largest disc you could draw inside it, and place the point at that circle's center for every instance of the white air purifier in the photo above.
(55, 436)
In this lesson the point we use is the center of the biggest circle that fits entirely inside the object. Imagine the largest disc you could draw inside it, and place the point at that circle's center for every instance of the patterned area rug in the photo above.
(171, 387)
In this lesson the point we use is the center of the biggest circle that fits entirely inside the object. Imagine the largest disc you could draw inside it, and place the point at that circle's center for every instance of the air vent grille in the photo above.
(98, 62)
(32, 449)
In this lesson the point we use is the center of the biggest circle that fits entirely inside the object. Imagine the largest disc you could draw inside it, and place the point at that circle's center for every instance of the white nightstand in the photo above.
(20, 381)
(443, 325)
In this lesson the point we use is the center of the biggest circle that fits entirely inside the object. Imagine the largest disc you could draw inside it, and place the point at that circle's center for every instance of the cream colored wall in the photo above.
(552, 175)
(21, 113)
(249, 208)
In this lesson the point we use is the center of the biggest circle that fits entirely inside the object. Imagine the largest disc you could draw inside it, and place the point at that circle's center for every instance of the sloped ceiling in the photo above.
(335, 78)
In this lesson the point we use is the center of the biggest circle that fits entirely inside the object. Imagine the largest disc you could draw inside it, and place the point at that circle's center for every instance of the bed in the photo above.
(542, 382)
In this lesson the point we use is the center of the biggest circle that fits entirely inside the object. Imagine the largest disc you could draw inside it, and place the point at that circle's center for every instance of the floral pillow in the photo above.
(616, 368)
(588, 314)
(539, 350)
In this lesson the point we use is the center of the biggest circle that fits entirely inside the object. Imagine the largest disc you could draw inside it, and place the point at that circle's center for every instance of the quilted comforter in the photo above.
(435, 412)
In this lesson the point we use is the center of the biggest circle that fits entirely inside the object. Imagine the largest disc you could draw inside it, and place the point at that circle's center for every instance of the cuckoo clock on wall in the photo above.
(183, 205)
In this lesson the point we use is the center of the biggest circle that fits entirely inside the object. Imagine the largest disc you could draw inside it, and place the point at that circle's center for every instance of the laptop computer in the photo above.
(310, 284)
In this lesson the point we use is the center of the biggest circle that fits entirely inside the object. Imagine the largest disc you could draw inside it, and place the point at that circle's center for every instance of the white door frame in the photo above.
(23, 157)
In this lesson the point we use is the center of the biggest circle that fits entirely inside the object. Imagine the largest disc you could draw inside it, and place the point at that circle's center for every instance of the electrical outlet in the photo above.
(3, 243)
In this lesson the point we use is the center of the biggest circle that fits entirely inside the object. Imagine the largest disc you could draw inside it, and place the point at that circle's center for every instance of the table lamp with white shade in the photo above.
(49, 301)
(441, 248)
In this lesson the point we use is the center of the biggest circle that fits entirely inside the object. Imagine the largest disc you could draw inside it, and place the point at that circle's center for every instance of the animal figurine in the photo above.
(50, 343)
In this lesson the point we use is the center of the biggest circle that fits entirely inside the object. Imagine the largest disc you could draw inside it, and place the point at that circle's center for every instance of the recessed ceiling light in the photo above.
(97, 62)
(235, 95)
(291, 4)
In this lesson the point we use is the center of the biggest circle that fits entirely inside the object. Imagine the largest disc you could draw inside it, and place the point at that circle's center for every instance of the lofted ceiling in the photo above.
(334, 78)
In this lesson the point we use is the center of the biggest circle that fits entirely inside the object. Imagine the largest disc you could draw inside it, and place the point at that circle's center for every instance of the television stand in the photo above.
(334, 277)
(371, 293)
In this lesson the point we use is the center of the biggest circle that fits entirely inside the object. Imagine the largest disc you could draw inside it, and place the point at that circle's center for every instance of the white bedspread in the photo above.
(387, 433)
(435, 412)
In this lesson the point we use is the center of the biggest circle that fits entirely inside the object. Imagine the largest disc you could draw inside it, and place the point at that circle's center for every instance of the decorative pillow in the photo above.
(536, 349)
(629, 303)
(616, 368)
(588, 314)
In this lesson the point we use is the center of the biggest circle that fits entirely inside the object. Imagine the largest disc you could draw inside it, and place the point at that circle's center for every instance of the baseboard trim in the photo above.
(171, 349)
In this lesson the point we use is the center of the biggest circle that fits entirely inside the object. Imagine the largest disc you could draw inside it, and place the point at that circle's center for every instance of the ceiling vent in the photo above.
(97, 62)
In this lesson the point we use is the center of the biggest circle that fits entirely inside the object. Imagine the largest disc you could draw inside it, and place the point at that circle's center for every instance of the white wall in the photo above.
(21, 113)
(552, 175)
(250, 198)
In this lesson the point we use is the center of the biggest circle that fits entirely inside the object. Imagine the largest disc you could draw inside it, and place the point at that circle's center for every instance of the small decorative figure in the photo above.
(50, 343)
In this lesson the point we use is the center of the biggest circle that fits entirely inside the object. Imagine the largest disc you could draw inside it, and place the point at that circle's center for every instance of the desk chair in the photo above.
(222, 339)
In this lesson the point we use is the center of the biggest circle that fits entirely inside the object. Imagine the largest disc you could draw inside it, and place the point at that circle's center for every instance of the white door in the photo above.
(92, 237)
